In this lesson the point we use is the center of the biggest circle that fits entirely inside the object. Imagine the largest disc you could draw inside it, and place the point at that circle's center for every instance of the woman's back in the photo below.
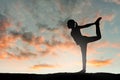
(76, 34)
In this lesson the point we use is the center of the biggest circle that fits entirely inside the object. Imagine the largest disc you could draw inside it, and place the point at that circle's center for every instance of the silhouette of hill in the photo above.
(60, 76)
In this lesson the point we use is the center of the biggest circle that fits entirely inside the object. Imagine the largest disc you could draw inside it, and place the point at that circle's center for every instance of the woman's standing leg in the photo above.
(84, 59)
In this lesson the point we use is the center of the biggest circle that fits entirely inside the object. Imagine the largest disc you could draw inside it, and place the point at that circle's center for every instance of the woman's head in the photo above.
(71, 23)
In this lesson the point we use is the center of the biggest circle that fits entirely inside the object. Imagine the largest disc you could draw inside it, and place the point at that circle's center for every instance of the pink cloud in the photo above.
(100, 63)
(105, 17)
(107, 44)
(92, 48)
(108, 17)
(113, 1)
(118, 55)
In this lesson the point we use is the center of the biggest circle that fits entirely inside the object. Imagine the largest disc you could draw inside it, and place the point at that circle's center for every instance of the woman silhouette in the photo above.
(81, 40)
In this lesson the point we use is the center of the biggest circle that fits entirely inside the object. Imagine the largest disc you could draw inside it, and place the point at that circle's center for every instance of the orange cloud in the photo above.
(100, 63)
(42, 66)
(3, 55)
(37, 41)
(6, 41)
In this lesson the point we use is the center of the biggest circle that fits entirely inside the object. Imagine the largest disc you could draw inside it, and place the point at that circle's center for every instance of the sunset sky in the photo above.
(34, 37)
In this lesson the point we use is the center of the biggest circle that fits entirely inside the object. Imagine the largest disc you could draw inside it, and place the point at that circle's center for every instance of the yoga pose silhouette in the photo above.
(81, 40)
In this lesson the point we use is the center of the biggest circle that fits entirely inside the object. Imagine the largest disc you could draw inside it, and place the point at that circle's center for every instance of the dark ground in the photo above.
(60, 76)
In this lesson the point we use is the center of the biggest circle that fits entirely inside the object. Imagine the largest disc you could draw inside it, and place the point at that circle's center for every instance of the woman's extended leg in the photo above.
(98, 33)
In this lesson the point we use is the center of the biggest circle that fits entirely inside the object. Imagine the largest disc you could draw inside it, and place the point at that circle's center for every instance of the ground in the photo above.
(61, 76)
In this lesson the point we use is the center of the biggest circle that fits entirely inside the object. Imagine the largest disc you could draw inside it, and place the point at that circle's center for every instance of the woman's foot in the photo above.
(82, 71)
(98, 20)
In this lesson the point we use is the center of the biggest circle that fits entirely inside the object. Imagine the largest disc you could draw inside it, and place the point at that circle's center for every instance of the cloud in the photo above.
(7, 44)
(10, 50)
(42, 66)
(59, 38)
(100, 63)
(62, 43)
(118, 55)
(3, 55)
(6, 41)
(15, 33)
(27, 36)
(19, 55)
(68, 4)
(42, 44)
(113, 1)
(108, 44)
(92, 48)
(107, 17)
(102, 44)
(25, 53)
(37, 13)
(115, 30)
(4, 22)
(58, 46)
(68, 45)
